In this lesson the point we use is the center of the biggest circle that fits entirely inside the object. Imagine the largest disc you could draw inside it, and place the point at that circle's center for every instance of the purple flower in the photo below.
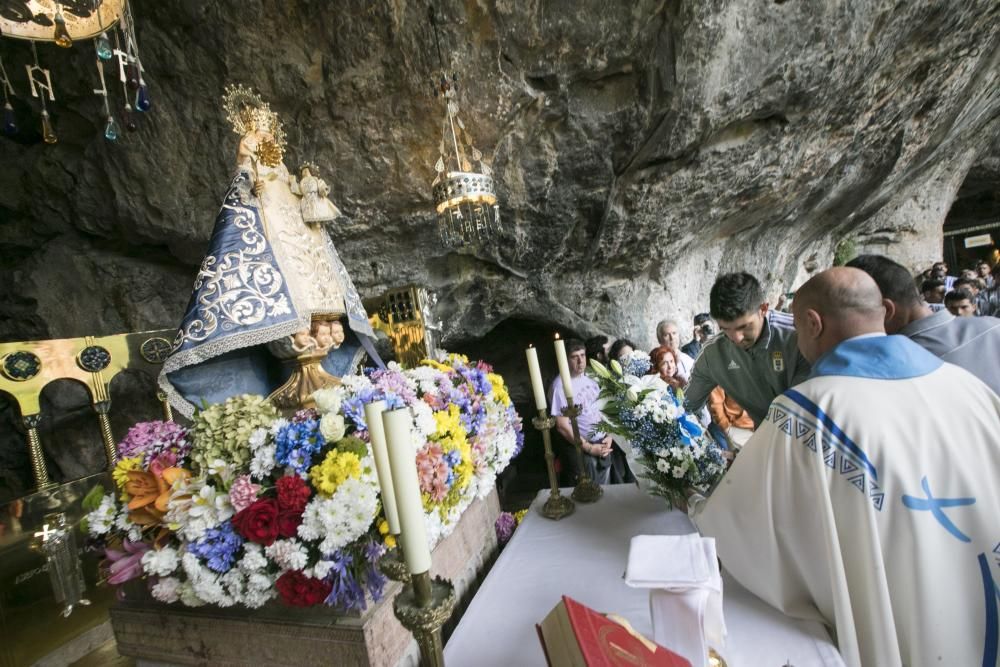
(505, 525)
(153, 438)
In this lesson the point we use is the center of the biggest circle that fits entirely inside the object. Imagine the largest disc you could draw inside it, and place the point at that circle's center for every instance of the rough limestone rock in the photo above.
(640, 149)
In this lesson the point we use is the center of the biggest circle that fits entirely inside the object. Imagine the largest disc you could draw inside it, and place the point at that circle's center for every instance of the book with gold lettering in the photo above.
(574, 635)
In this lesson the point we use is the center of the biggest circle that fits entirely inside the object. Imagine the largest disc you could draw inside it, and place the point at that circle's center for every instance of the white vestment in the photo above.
(869, 499)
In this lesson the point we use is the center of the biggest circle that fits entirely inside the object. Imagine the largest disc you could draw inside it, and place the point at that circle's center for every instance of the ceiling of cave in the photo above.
(640, 148)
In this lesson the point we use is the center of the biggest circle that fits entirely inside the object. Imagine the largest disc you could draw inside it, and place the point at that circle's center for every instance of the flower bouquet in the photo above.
(248, 506)
(676, 454)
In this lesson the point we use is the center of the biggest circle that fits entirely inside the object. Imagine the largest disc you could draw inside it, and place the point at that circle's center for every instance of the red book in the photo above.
(574, 635)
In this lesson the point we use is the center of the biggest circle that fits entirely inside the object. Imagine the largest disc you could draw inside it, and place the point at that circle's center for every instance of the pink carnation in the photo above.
(432, 471)
(243, 493)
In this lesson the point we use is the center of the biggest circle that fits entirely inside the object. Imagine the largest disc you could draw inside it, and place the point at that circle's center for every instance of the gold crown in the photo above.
(311, 166)
(246, 111)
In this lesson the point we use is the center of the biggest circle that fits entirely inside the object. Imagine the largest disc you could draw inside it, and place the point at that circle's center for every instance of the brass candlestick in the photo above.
(557, 506)
(392, 564)
(586, 490)
(422, 607)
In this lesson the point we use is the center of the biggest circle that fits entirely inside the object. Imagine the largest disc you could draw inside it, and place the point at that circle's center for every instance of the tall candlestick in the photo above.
(402, 463)
(536, 377)
(380, 452)
(567, 380)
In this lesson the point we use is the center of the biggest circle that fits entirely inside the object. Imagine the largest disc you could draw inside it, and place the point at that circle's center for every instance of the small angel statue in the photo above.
(316, 207)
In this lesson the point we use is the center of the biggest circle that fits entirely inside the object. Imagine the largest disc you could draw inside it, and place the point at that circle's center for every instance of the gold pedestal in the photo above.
(586, 490)
(557, 506)
(422, 607)
(307, 377)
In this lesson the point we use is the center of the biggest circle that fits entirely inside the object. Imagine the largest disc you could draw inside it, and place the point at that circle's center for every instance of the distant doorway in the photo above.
(972, 226)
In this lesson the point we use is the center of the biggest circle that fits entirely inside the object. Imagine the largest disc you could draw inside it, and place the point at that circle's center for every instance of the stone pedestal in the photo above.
(157, 634)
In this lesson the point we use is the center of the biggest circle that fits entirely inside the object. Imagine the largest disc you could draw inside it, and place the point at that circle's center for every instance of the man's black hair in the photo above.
(959, 294)
(574, 344)
(931, 285)
(734, 295)
(595, 347)
(701, 318)
(892, 278)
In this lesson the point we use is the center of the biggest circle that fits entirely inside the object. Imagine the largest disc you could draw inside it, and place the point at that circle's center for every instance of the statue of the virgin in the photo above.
(271, 289)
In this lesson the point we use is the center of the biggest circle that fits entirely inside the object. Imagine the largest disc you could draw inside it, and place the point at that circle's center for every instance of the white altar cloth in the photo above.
(584, 556)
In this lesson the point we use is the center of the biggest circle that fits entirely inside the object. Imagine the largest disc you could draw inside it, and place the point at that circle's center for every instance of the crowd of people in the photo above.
(866, 496)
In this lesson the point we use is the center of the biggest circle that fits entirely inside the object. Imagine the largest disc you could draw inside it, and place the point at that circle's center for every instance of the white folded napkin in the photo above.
(685, 599)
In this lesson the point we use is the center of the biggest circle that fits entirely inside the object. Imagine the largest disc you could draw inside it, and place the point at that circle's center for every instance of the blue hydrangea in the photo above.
(217, 547)
(297, 443)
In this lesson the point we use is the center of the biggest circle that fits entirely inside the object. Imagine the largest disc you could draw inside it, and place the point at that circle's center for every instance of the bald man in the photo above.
(868, 498)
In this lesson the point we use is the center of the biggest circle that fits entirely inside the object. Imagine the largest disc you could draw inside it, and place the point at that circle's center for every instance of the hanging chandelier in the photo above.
(464, 193)
(65, 24)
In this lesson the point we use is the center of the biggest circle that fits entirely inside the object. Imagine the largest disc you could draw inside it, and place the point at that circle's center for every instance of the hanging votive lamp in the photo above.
(103, 46)
(111, 129)
(61, 37)
(48, 134)
(9, 122)
(464, 193)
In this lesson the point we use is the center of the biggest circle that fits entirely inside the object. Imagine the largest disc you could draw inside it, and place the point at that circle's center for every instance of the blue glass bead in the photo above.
(142, 101)
(111, 129)
(103, 46)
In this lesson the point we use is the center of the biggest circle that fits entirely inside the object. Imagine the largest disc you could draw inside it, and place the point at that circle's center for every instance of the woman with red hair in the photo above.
(664, 364)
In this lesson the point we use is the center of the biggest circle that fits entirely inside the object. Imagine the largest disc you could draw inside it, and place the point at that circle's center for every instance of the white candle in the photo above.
(567, 381)
(402, 462)
(536, 377)
(376, 432)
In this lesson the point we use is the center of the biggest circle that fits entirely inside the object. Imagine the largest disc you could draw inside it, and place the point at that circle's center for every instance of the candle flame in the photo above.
(557, 335)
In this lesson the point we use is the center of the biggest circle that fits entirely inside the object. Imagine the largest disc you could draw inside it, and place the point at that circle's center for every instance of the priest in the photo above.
(868, 498)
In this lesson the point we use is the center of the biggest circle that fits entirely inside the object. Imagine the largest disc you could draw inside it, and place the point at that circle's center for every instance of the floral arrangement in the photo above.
(675, 452)
(248, 506)
(465, 430)
(636, 363)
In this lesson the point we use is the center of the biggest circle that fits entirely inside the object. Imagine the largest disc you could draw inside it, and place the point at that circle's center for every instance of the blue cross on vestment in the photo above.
(935, 505)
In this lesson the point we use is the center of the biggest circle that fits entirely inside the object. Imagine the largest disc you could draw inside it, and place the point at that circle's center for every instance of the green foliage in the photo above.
(845, 251)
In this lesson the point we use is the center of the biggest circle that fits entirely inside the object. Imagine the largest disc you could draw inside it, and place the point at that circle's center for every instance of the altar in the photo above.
(584, 556)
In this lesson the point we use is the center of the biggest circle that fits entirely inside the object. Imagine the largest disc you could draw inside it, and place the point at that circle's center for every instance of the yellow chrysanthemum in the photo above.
(519, 516)
(337, 467)
(499, 388)
(390, 541)
(383, 527)
(436, 365)
(124, 467)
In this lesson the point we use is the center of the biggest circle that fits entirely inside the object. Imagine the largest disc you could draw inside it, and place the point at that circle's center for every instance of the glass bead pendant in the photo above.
(9, 122)
(48, 134)
(132, 80)
(142, 101)
(62, 37)
(103, 46)
(111, 129)
(130, 124)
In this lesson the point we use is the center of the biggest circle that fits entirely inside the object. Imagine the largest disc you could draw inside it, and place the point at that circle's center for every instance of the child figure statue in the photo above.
(316, 207)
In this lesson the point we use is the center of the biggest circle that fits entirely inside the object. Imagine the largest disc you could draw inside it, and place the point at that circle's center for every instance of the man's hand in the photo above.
(601, 448)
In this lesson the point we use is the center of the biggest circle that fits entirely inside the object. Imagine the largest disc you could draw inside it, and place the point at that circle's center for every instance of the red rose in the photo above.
(293, 493)
(259, 522)
(298, 590)
(288, 523)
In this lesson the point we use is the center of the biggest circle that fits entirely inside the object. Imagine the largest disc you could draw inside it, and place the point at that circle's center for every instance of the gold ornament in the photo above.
(247, 112)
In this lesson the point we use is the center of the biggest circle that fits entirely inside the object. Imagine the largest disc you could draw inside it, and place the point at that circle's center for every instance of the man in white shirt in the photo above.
(597, 446)
(868, 497)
